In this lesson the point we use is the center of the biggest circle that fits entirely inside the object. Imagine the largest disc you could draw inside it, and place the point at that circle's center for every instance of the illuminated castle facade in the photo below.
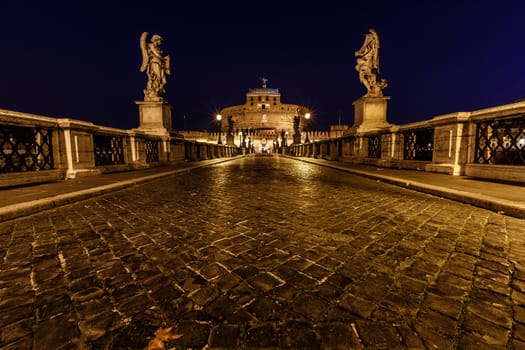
(263, 122)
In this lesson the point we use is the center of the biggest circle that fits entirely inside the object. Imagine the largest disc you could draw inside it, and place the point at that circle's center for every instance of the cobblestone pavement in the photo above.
(263, 253)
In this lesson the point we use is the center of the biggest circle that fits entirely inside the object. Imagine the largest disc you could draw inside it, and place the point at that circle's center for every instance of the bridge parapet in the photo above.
(37, 148)
(487, 143)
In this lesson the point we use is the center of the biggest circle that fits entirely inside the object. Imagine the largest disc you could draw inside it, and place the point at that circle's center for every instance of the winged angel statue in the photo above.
(155, 65)
(368, 65)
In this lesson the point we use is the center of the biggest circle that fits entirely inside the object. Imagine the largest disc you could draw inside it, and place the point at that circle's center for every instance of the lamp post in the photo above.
(219, 123)
(307, 117)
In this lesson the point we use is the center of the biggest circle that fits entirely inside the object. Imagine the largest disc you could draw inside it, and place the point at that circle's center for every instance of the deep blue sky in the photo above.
(81, 59)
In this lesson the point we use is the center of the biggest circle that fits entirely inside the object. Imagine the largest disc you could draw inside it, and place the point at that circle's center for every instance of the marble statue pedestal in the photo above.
(155, 117)
(370, 113)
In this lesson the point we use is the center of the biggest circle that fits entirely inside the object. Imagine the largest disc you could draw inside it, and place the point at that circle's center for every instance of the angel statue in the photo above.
(368, 65)
(155, 65)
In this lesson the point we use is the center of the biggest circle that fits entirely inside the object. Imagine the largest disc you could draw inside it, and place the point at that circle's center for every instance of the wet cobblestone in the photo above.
(263, 253)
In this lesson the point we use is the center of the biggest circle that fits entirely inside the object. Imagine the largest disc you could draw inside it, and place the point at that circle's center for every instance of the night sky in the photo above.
(81, 59)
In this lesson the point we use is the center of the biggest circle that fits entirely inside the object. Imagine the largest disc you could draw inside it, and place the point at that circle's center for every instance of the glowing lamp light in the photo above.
(219, 117)
(307, 116)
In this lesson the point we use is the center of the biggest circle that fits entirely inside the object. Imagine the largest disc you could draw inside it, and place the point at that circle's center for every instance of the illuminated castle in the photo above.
(263, 120)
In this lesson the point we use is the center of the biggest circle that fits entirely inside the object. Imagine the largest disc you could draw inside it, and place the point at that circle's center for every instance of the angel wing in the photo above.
(144, 50)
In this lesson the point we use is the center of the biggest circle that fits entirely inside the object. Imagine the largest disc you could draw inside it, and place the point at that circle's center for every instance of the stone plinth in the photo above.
(155, 116)
(370, 113)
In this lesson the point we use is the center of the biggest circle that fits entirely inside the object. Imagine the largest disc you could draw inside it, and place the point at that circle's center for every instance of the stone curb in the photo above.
(479, 200)
(14, 211)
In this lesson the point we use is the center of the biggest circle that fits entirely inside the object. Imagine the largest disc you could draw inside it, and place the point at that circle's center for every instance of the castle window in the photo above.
(259, 98)
(263, 106)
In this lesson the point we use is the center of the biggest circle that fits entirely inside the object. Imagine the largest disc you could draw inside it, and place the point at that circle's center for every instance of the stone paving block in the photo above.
(15, 331)
(519, 331)
(298, 335)
(227, 281)
(409, 338)
(329, 291)
(491, 285)
(518, 285)
(91, 292)
(212, 271)
(498, 314)
(446, 306)
(402, 303)
(284, 293)
(411, 286)
(519, 313)
(378, 335)
(431, 339)
(312, 306)
(267, 309)
(133, 336)
(358, 306)
(124, 291)
(16, 314)
(135, 304)
(205, 295)
(225, 336)
(94, 307)
(98, 326)
(13, 300)
(491, 333)
(262, 336)
(49, 305)
(264, 282)
(438, 323)
(55, 333)
(338, 335)
(21, 343)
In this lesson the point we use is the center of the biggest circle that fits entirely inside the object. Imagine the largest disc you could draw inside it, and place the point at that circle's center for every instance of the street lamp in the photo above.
(307, 117)
(219, 122)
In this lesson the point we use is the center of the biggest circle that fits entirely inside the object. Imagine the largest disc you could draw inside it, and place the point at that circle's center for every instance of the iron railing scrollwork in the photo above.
(109, 149)
(501, 141)
(152, 151)
(418, 144)
(25, 149)
(374, 146)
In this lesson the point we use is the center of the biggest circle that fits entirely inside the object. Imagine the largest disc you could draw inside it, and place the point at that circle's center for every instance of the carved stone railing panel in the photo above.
(152, 150)
(418, 144)
(501, 141)
(374, 146)
(109, 149)
(25, 149)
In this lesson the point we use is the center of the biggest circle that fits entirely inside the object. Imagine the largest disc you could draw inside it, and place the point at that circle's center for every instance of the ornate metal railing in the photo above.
(109, 150)
(374, 146)
(501, 141)
(25, 149)
(152, 151)
(418, 144)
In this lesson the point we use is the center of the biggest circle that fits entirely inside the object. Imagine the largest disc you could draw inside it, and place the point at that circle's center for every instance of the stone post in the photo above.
(155, 117)
(370, 113)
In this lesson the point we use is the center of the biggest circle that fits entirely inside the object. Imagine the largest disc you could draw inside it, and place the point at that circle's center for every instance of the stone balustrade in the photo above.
(36, 148)
(487, 143)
